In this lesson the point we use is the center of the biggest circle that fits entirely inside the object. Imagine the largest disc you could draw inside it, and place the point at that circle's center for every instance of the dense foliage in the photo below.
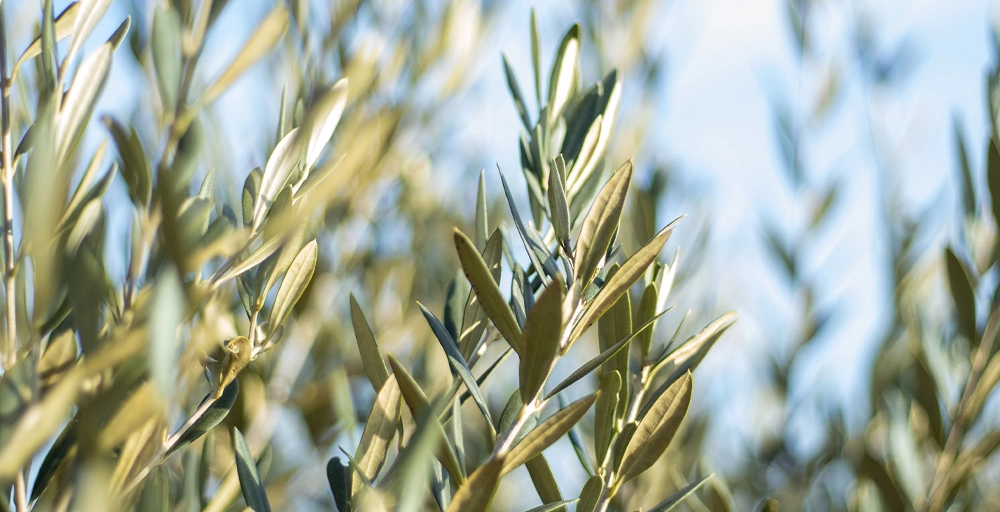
(316, 332)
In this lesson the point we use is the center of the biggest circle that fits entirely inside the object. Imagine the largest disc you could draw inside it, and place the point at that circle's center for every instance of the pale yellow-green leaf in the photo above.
(562, 82)
(487, 292)
(323, 118)
(279, 167)
(299, 274)
(252, 260)
(558, 202)
(655, 430)
(478, 490)
(63, 28)
(59, 358)
(543, 479)
(474, 321)
(547, 432)
(600, 225)
(590, 494)
(600, 145)
(379, 431)
(371, 357)
(264, 38)
(87, 18)
(620, 283)
(542, 332)
(416, 400)
(81, 98)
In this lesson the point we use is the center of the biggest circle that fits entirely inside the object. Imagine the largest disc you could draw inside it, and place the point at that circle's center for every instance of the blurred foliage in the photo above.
(925, 437)
(215, 373)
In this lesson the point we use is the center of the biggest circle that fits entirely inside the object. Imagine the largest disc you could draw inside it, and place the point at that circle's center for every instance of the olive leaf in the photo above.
(246, 470)
(542, 332)
(600, 225)
(371, 357)
(547, 432)
(378, 432)
(264, 38)
(294, 283)
(487, 292)
(655, 429)
(478, 490)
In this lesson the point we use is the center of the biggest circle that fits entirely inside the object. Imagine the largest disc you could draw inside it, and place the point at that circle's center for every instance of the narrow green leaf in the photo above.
(537, 251)
(968, 189)
(339, 476)
(486, 291)
(165, 40)
(474, 319)
(562, 82)
(515, 93)
(558, 203)
(265, 37)
(87, 18)
(689, 354)
(135, 166)
(251, 189)
(64, 448)
(545, 483)
(258, 255)
(600, 225)
(456, 361)
(590, 494)
(323, 118)
(210, 418)
(294, 237)
(555, 505)
(378, 433)
(676, 498)
(547, 432)
(536, 58)
(416, 464)
(371, 356)
(542, 332)
(962, 293)
(655, 430)
(294, 283)
(246, 469)
(482, 215)
(417, 402)
(610, 352)
(63, 28)
(604, 415)
(81, 98)
(457, 295)
(646, 311)
(478, 490)
(993, 175)
(620, 283)
(279, 167)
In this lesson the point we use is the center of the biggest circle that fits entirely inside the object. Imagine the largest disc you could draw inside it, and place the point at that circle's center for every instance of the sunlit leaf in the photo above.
(630, 271)
(655, 430)
(264, 38)
(600, 224)
(294, 283)
(542, 332)
(378, 433)
(563, 80)
(547, 432)
(371, 357)
(478, 490)
(486, 291)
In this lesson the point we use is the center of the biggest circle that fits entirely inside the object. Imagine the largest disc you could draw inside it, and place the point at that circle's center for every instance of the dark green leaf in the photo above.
(339, 477)
(211, 417)
(962, 293)
(246, 469)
